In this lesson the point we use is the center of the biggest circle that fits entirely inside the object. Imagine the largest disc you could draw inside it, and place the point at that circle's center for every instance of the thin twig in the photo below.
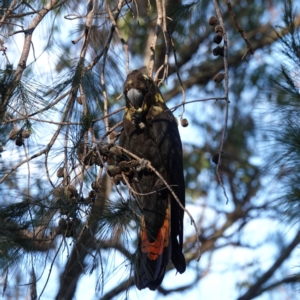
(167, 38)
(108, 40)
(167, 42)
(102, 76)
(46, 108)
(85, 43)
(28, 188)
(125, 45)
(179, 79)
(130, 188)
(141, 194)
(198, 100)
(110, 114)
(104, 94)
(101, 118)
(55, 135)
(155, 37)
(155, 79)
(87, 31)
(25, 53)
(9, 10)
(21, 163)
(85, 135)
(219, 15)
(21, 15)
(109, 132)
(78, 39)
(66, 143)
(50, 270)
(240, 29)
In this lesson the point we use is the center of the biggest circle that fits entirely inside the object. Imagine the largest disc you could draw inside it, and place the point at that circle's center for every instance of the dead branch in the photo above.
(155, 37)
(8, 12)
(85, 241)
(125, 45)
(256, 289)
(240, 29)
(218, 12)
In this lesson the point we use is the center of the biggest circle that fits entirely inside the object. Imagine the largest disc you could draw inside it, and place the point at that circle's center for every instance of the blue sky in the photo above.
(226, 266)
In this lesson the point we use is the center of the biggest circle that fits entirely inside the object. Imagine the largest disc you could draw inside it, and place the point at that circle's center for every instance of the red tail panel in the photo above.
(162, 239)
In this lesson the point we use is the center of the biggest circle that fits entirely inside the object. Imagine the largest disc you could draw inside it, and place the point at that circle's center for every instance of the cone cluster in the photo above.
(219, 50)
(67, 227)
(88, 156)
(18, 136)
(213, 21)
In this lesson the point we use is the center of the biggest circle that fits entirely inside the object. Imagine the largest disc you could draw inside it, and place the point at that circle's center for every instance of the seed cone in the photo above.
(19, 141)
(213, 21)
(13, 134)
(219, 77)
(25, 134)
(219, 29)
(218, 38)
(184, 122)
(218, 51)
(60, 173)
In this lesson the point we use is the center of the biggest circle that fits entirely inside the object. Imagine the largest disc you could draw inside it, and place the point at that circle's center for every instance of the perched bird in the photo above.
(150, 131)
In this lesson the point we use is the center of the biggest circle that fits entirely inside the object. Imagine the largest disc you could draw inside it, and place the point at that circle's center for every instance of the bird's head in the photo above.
(141, 94)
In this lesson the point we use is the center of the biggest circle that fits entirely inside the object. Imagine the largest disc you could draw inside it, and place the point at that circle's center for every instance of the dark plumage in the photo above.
(151, 132)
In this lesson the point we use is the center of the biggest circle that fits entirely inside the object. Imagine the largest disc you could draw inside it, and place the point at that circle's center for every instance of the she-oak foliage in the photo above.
(60, 122)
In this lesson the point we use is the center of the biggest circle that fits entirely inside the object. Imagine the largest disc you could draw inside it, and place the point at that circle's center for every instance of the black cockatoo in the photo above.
(150, 131)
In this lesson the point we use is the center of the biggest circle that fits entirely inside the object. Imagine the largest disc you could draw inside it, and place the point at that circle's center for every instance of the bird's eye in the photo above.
(135, 97)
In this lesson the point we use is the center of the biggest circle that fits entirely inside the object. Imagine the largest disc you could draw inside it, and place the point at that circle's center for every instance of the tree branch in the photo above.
(85, 241)
(201, 75)
(25, 52)
(124, 286)
(256, 289)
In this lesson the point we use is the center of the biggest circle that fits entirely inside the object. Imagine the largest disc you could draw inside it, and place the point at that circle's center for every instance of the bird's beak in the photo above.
(135, 97)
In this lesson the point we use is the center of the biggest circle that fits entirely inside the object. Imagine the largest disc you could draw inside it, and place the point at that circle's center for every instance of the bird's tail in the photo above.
(153, 257)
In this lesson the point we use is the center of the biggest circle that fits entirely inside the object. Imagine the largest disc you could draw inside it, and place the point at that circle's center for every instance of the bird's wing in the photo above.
(170, 148)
